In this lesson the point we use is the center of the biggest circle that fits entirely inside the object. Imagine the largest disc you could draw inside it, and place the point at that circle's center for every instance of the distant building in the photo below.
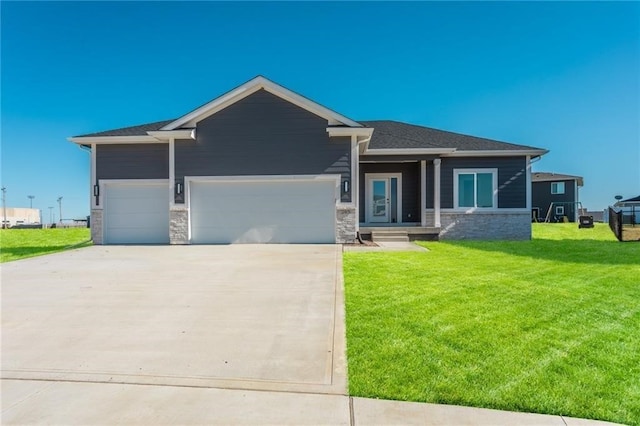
(20, 216)
(555, 195)
(598, 215)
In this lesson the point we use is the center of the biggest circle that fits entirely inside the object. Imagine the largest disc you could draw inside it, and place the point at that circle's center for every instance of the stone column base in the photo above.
(178, 226)
(96, 226)
(345, 224)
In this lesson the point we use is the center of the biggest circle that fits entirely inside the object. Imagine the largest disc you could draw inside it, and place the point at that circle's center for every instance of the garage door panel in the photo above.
(137, 220)
(259, 212)
(136, 214)
(268, 234)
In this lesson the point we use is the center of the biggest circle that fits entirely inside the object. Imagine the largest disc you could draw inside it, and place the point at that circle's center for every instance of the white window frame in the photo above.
(559, 210)
(494, 181)
(557, 186)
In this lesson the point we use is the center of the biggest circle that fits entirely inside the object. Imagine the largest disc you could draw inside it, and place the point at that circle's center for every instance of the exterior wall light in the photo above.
(345, 186)
(96, 190)
(178, 188)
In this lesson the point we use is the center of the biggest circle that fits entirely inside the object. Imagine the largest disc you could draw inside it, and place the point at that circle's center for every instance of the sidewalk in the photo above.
(52, 402)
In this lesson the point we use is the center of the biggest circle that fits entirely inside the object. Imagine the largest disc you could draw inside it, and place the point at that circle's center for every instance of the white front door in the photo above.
(383, 198)
(379, 200)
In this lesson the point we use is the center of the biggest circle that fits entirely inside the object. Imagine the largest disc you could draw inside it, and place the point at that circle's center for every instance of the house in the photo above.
(262, 163)
(630, 210)
(555, 196)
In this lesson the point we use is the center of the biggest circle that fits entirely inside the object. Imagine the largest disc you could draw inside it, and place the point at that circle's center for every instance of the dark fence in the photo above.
(630, 215)
(615, 222)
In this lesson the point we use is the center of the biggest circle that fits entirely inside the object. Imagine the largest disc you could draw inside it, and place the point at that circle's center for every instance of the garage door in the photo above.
(262, 212)
(136, 214)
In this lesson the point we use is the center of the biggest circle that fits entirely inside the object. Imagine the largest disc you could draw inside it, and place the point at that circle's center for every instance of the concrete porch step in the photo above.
(389, 236)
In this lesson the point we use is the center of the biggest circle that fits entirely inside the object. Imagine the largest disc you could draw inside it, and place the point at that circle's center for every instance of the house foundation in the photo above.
(485, 226)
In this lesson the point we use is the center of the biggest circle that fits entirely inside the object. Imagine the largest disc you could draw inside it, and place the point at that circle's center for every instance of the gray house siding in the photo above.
(410, 187)
(430, 181)
(541, 198)
(140, 161)
(512, 180)
(263, 135)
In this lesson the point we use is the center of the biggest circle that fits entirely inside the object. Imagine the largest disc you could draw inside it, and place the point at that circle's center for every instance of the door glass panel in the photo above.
(394, 200)
(379, 198)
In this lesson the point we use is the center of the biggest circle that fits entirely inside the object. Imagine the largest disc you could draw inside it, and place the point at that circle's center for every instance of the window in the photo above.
(557, 187)
(559, 210)
(475, 188)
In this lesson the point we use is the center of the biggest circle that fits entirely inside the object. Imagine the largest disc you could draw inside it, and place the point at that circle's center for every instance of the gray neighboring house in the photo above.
(558, 191)
(263, 164)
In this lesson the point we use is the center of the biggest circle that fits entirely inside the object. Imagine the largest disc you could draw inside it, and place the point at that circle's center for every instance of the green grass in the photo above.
(20, 243)
(550, 325)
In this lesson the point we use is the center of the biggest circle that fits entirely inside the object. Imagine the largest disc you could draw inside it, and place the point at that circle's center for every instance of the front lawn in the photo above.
(548, 326)
(20, 243)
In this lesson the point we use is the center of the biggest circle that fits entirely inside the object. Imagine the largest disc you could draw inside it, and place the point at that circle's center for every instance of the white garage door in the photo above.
(136, 213)
(284, 211)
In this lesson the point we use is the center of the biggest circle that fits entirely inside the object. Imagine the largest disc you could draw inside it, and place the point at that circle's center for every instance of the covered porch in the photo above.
(399, 200)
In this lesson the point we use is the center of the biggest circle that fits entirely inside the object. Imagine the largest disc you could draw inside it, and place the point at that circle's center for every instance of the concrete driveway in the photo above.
(264, 317)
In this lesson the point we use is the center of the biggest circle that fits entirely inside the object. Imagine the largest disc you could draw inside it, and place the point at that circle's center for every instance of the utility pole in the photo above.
(31, 197)
(60, 205)
(4, 207)
(50, 216)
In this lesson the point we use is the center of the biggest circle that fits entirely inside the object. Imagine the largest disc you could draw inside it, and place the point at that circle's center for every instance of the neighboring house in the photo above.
(264, 164)
(629, 202)
(630, 210)
(19, 216)
(555, 196)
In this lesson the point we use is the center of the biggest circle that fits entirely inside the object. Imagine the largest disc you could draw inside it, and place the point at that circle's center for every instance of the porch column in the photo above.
(423, 193)
(528, 182)
(172, 172)
(436, 192)
(355, 176)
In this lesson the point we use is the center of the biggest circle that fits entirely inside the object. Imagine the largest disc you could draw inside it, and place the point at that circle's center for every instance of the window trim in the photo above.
(494, 182)
(561, 209)
(557, 184)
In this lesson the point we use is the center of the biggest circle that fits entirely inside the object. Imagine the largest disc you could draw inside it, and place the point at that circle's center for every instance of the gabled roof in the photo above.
(389, 137)
(258, 83)
(397, 135)
(547, 177)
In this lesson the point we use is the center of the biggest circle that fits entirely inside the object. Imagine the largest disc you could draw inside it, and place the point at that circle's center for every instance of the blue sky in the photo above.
(562, 76)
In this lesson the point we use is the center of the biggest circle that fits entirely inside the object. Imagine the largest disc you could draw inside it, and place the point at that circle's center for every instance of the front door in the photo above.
(383, 198)
(379, 200)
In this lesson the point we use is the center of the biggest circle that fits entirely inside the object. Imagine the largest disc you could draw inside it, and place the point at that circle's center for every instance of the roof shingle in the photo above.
(387, 135)
(397, 135)
(139, 130)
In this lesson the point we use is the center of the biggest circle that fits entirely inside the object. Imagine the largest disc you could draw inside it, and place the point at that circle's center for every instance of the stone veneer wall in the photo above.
(485, 226)
(96, 226)
(345, 224)
(178, 226)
